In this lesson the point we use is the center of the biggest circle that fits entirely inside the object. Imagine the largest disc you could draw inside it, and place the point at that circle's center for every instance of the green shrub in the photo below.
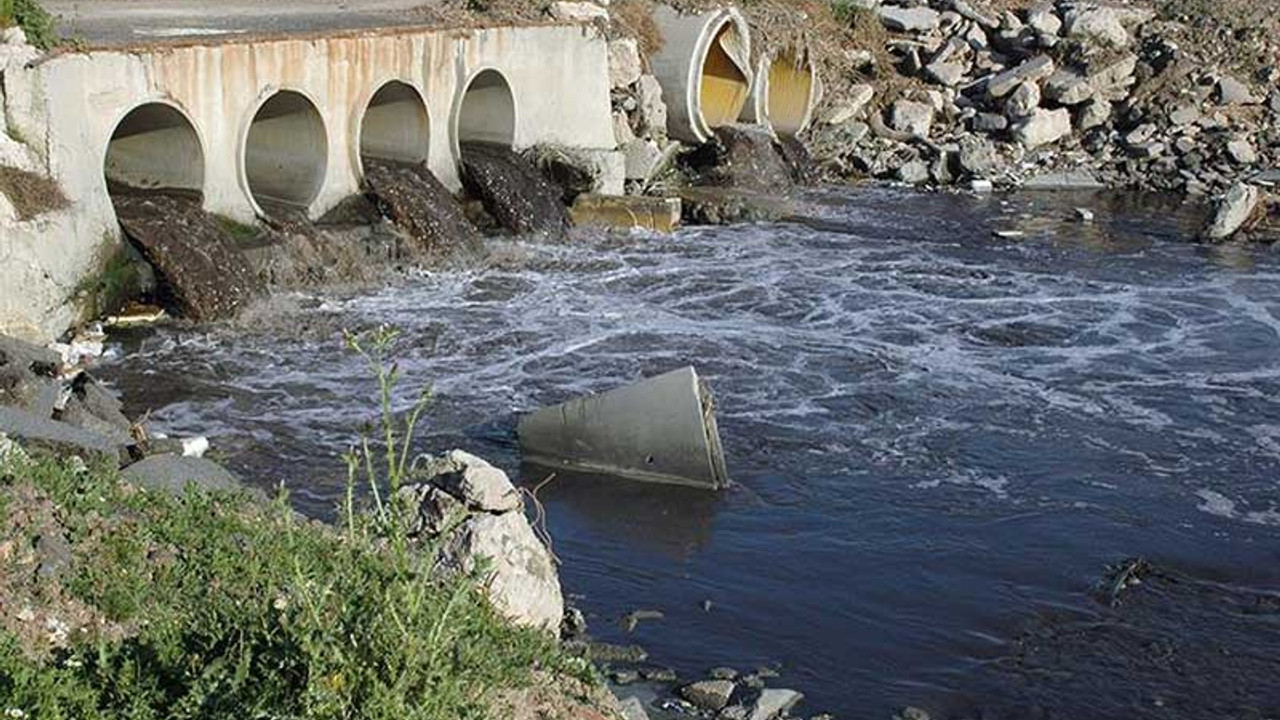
(33, 19)
(213, 606)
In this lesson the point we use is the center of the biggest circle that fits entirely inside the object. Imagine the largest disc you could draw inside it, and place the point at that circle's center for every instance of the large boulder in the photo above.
(175, 474)
(476, 512)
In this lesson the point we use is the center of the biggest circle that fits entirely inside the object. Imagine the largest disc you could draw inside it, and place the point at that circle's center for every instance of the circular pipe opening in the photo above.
(286, 151)
(395, 125)
(724, 85)
(789, 93)
(154, 147)
(487, 113)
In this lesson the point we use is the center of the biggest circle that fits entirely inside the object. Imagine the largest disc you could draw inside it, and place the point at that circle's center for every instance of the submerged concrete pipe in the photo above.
(155, 146)
(785, 92)
(394, 125)
(704, 68)
(286, 152)
(662, 429)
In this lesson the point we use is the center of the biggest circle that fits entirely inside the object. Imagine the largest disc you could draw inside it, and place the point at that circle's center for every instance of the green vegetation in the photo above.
(33, 19)
(239, 232)
(116, 283)
(214, 606)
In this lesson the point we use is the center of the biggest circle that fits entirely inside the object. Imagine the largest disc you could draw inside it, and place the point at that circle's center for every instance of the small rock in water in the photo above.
(913, 713)
(624, 677)
(707, 605)
(708, 694)
(632, 619)
(723, 673)
(658, 674)
(773, 703)
(1084, 215)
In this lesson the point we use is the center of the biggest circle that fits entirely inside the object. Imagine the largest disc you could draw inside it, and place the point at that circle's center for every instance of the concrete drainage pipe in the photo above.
(704, 69)
(784, 93)
(155, 146)
(286, 151)
(486, 112)
(395, 125)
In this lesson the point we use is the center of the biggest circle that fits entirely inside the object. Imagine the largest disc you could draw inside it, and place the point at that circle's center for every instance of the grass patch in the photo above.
(32, 195)
(115, 284)
(214, 606)
(35, 22)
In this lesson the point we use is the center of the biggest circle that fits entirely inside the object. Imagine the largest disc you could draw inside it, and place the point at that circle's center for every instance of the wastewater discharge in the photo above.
(941, 441)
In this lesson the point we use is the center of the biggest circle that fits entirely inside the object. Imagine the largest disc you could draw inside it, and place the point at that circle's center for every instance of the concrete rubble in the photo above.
(477, 513)
(661, 429)
(1054, 87)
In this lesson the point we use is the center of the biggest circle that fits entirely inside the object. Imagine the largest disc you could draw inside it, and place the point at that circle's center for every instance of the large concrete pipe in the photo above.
(286, 151)
(704, 68)
(155, 146)
(486, 111)
(395, 125)
(784, 93)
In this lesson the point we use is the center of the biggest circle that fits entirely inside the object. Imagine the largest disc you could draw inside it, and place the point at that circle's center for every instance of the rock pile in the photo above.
(476, 513)
(1092, 92)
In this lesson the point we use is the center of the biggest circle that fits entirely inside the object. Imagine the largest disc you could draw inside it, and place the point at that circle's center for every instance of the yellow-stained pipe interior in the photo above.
(725, 86)
(790, 92)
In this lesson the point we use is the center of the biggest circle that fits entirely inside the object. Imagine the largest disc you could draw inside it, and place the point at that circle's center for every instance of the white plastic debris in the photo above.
(195, 447)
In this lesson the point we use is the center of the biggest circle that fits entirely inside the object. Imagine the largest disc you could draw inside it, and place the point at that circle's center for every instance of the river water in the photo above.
(940, 440)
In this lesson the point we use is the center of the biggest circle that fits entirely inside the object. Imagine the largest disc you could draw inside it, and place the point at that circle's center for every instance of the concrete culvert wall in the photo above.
(487, 111)
(395, 125)
(704, 70)
(784, 93)
(286, 151)
(155, 146)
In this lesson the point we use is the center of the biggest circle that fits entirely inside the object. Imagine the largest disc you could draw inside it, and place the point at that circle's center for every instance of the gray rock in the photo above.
(708, 694)
(1184, 115)
(658, 674)
(53, 552)
(1095, 113)
(433, 510)
(912, 117)
(722, 673)
(1231, 91)
(651, 110)
(641, 159)
(17, 353)
(175, 473)
(773, 703)
(733, 712)
(851, 107)
(1068, 87)
(1233, 211)
(1044, 128)
(1140, 134)
(522, 583)
(947, 73)
(36, 432)
(990, 122)
(1042, 18)
(624, 62)
(1242, 152)
(969, 12)
(633, 709)
(977, 156)
(914, 19)
(1024, 101)
(913, 713)
(1064, 180)
(479, 485)
(1103, 25)
(914, 172)
(624, 677)
(1032, 70)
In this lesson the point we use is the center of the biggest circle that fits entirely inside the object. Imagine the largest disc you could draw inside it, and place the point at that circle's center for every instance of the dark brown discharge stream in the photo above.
(203, 274)
(513, 191)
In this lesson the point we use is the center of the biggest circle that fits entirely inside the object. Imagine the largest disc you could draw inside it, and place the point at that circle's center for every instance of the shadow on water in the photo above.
(672, 520)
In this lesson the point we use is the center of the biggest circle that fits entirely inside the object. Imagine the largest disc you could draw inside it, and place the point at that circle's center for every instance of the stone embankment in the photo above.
(1066, 94)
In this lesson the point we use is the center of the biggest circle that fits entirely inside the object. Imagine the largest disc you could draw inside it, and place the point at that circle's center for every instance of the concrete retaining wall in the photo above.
(68, 107)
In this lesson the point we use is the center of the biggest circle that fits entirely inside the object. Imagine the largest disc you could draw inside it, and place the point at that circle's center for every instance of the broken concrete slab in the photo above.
(661, 430)
(33, 431)
(175, 473)
(627, 211)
